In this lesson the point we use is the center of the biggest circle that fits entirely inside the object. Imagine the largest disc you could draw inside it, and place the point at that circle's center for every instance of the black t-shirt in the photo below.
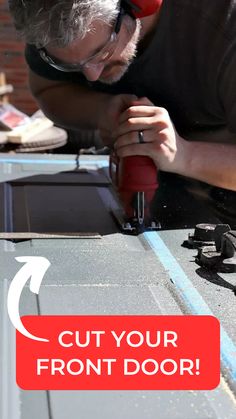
(189, 67)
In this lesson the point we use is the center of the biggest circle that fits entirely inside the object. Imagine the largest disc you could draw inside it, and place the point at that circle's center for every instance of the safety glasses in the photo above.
(100, 57)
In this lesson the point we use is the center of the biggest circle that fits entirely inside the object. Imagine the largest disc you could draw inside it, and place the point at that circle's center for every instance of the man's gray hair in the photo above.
(41, 22)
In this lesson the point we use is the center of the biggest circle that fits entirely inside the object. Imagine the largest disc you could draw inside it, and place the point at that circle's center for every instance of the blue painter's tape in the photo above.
(101, 163)
(192, 298)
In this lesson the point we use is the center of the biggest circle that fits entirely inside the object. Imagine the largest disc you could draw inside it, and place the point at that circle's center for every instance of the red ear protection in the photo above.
(142, 8)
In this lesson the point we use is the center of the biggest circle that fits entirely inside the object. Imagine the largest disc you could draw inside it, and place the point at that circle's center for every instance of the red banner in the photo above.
(119, 352)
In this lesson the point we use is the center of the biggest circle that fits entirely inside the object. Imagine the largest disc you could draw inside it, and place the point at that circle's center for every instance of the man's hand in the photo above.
(209, 162)
(109, 121)
(162, 142)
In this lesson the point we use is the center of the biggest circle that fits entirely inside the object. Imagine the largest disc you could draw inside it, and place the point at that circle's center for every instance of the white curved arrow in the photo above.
(35, 267)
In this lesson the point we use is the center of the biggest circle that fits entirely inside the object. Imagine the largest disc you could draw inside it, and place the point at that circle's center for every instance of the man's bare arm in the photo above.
(67, 104)
(73, 106)
(212, 163)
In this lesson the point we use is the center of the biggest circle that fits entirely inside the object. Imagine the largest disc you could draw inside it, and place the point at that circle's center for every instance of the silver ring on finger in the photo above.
(140, 137)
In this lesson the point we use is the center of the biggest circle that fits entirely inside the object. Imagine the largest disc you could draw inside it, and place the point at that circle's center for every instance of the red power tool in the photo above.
(135, 179)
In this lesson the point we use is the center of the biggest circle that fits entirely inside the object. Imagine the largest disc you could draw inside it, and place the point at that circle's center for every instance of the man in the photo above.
(168, 78)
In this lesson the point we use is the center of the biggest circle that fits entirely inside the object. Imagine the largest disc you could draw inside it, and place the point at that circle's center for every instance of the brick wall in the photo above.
(13, 64)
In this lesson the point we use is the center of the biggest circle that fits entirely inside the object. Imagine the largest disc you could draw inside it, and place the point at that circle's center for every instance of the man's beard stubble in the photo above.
(127, 56)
